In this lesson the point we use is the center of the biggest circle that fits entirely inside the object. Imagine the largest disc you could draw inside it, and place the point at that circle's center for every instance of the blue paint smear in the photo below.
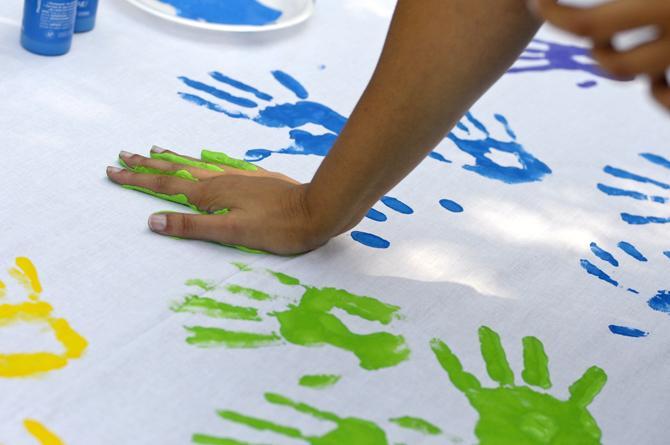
(370, 240)
(587, 84)
(633, 291)
(435, 155)
(604, 255)
(667, 254)
(643, 220)
(627, 332)
(594, 270)
(656, 159)
(289, 82)
(632, 251)
(397, 205)
(452, 206)
(661, 302)
(211, 106)
(615, 191)
(531, 170)
(623, 174)
(376, 215)
(299, 114)
(241, 101)
(556, 56)
(239, 85)
(229, 12)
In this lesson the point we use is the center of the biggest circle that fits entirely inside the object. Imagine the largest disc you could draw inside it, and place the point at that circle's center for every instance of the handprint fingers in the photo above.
(535, 363)
(260, 424)
(461, 379)
(584, 390)
(494, 355)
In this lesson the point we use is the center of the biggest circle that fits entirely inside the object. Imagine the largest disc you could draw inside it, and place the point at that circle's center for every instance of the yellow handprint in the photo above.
(35, 311)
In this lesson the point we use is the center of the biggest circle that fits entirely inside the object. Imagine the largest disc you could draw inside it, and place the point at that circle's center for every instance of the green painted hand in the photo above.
(518, 414)
(309, 322)
(349, 430)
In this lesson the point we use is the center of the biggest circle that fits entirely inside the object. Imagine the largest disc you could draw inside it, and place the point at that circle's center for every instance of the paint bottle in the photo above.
(86, 10)
(48, 26)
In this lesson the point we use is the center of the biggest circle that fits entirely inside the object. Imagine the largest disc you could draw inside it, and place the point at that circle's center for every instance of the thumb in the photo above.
(222, 229)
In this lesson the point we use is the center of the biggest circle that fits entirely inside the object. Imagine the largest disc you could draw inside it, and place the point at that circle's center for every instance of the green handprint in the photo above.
(520, 415)
(310, 322)
(349, 430)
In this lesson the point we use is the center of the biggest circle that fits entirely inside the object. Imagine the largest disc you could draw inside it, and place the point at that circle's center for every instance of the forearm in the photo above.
(440, 56)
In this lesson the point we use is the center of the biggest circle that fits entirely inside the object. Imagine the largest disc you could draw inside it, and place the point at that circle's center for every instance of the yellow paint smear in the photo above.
(41, 433)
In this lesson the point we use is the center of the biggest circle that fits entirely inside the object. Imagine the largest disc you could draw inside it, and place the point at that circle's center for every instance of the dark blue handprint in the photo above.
(542, 55)
(531, 169)
(659, 302)
(617, 192)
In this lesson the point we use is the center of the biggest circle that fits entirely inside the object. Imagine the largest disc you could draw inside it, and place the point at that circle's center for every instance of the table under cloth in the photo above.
(536, 231)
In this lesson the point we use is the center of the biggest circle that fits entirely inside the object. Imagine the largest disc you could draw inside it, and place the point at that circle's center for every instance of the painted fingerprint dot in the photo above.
(370, 240)
(587, 84)
(452, 206)
(376, 215)
(397, 205)
(627, 332)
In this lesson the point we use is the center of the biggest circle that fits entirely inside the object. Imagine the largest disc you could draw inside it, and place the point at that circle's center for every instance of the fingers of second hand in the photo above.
(647, 58)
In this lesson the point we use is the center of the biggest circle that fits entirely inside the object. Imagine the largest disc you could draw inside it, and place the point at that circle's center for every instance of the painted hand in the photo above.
(528, 168)
(606, 265)
(543, 55)
(307, 322)
(249, 103)
(348, 430)
(35, 312)
(238, 203)
(519, 414)
(604, 22)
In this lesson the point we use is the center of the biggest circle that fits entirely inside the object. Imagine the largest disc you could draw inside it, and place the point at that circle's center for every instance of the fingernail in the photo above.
(111, 170)
(157, 149)
(125, 154)
(158, 222)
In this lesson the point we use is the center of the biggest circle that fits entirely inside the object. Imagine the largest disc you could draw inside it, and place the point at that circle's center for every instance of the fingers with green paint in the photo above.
(310, 321)
(349, 430)
(264, 211)
(511, 413)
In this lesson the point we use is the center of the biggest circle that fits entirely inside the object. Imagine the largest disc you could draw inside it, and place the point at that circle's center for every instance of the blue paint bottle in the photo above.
(48, 26)
(86, 10)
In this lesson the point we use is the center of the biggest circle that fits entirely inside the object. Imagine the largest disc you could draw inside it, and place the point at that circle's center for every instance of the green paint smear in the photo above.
(203, 439)
(513, 414)
(321, 381)
(171, 157)
(222, 158)
(214, 337)
(247, 292)
(285, 279)
(349, 431)
(179, 198)
(310, 323)
(242, 267)
(216, 309)
(183, 174)
(202, 284)
(416, 424)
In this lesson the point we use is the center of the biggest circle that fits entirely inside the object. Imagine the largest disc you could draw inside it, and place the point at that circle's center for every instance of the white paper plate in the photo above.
(230, 15)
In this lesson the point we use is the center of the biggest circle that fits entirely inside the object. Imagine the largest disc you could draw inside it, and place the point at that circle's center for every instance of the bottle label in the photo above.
(56, 18)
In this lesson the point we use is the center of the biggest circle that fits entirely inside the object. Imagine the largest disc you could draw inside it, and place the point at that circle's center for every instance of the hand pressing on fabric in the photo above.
(237, 203)
(603, 22)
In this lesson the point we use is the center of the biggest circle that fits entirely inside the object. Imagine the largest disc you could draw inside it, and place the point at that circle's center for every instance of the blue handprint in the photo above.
(659, 302)
(557, 56)
(531, 169)
(611, 191)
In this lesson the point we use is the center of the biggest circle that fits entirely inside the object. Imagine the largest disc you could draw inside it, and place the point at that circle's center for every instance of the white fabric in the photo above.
(509, 261)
